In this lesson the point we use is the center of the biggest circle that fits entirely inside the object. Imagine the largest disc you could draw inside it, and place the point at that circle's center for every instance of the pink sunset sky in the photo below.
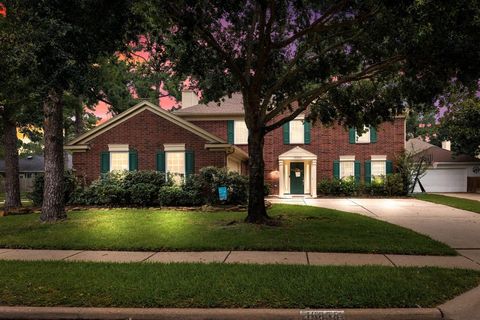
(102, 109)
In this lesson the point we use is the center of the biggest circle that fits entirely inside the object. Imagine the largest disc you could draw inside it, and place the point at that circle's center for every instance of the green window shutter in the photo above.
(357, 171)
(307, 127)
(105, 162)
(373, 135)
(352, 135)
(230, 132)
(389, 167)
(286, 133)
(189, 162)
(132, 160)
(161, 161)
(336, 169)
(368, 171)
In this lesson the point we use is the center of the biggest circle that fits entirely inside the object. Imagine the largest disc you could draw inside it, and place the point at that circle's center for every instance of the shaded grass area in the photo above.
(217, 285)
(302, 228)
(23, 198)
(459, 203)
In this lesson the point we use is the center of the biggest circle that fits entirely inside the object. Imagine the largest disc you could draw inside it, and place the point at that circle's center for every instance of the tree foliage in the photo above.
(352, 62)
(461, 125)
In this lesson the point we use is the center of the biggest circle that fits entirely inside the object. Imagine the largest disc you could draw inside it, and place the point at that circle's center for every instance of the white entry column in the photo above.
(281, 183)
(313, 175)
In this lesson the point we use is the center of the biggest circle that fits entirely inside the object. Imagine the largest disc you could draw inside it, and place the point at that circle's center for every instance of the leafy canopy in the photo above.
(349, 61)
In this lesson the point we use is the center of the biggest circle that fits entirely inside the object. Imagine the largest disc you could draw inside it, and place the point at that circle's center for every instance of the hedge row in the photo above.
(389, 185)
(151, 188)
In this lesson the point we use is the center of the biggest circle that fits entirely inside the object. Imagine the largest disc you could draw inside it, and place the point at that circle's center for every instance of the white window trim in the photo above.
(236, 127)
(366, 134)
(174, 147)
(302, 141)
(346, 159)
(118, 147)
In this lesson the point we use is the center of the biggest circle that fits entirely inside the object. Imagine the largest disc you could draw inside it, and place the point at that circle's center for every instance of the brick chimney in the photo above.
(446, 145)
(189, 98)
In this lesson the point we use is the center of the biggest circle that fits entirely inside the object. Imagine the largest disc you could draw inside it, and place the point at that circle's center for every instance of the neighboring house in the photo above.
(298, 155)
(29, 168)
(447, 172)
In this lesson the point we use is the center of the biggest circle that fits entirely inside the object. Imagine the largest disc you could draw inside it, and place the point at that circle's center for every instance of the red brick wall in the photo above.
(327, 143)
(146, 133)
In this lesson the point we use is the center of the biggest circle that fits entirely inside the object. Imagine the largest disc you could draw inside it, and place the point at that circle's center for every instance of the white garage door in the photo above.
(444, 180)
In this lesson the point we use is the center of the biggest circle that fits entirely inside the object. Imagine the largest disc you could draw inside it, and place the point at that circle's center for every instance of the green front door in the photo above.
(296, 178)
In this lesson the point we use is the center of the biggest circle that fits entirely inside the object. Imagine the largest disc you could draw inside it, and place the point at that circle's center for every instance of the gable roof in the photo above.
(230, 106)
(297, 153)
(435, 153)
(138, 108)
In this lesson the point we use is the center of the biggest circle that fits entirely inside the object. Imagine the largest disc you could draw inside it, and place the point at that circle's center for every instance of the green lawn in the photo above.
(23, 196)
(302, 228)
(459, 203)
(78, 284)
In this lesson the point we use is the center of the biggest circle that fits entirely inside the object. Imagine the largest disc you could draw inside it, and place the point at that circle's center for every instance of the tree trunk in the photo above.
(256, 202)
(79, 122)
(53, 207)
(12, 182)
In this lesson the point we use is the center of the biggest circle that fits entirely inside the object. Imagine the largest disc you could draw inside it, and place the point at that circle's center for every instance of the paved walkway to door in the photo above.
(457, 228)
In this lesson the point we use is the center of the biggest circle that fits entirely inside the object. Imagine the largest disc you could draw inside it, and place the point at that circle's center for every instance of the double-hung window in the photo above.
(347, 167)
(119, 157)
(240, 132)
(297, 135)
(364, 137)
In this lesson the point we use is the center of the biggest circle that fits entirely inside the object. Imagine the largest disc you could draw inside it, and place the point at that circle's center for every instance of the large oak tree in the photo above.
(349, 61)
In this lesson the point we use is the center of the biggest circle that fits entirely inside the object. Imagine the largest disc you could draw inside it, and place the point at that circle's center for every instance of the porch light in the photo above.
(275, 174)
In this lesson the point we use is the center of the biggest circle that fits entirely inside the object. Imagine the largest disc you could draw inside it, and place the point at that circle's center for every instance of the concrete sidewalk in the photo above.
(253, 257)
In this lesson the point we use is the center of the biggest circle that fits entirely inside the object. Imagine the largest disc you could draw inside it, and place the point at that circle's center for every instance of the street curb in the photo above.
(67, 313)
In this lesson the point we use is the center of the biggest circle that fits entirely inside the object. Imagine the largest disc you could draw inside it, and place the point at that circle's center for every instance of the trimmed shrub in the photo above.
(394, 185)
(143, 194)
(170, 195)
(69, 187)
(338, 187)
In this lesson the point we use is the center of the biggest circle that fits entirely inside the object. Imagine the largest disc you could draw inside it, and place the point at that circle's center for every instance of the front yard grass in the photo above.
(302, 228)
(76, 284)
(459, 203)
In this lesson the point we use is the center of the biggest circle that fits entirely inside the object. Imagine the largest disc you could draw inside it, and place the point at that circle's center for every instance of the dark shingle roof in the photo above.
(435, 153)
(231, 106)
(28, 164)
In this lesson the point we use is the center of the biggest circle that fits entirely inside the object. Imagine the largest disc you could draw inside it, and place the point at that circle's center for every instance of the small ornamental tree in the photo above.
(352, 62)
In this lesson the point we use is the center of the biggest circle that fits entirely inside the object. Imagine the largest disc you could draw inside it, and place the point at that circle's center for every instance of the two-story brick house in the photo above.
(146, 137)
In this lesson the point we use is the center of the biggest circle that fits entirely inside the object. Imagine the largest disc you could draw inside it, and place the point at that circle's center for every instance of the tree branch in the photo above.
(313, 94)
(314, 26)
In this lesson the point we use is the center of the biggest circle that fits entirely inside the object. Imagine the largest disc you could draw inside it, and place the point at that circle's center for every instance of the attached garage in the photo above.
(444, 180)
(447, 172)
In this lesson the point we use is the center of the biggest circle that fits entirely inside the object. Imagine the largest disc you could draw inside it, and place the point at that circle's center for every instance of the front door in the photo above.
(296, 178)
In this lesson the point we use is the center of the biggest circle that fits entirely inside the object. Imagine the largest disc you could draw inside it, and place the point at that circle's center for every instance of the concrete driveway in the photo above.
(459, 229)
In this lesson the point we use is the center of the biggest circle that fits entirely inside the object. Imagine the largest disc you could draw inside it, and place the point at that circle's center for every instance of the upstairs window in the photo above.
(240, 135)
(297, 132)
(364, 137)
(369, 135)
